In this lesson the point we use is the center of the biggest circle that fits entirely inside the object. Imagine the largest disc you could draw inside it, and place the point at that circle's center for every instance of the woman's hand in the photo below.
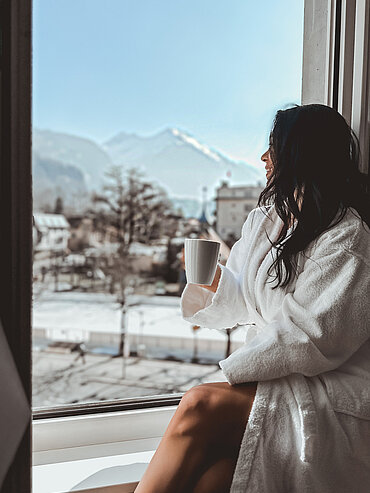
(213, 287)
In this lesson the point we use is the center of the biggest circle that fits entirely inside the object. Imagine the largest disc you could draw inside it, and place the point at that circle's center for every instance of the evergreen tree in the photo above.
(59, 206)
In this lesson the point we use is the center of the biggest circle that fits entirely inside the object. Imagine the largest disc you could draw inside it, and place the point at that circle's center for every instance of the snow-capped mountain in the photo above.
(72, 166)
(179, 162)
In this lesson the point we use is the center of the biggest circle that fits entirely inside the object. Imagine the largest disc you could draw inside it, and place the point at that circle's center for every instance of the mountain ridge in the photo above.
(154, 153)
(173, 158)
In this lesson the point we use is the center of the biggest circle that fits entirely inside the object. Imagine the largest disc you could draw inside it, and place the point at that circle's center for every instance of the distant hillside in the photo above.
(85, 154)
(53, 179)
(72, 167)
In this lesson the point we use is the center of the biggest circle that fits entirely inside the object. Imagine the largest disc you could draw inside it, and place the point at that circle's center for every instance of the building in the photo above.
(233, 204)
(50, 232)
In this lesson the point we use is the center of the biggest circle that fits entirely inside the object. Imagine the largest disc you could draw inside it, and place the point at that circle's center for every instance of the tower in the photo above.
(204, 224)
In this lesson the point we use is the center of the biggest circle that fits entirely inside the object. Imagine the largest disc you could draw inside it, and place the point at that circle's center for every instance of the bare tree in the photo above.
(135, 209)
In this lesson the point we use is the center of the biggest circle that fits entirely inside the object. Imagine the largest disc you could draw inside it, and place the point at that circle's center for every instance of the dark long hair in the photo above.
(316, 164)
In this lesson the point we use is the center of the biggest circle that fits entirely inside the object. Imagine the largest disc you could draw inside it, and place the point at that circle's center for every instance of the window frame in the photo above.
(16, 209)
(331, 79)
(119, 405)
(336, 67)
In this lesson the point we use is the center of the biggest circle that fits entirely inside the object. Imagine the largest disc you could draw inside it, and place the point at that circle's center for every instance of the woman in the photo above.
(294, 415)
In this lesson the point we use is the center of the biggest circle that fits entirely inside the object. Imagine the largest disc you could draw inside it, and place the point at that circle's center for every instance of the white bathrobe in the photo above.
(308, 347)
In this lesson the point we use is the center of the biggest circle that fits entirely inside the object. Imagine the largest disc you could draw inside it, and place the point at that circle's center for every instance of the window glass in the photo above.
(149, 121)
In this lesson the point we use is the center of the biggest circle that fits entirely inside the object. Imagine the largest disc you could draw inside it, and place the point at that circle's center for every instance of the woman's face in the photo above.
(269, 166)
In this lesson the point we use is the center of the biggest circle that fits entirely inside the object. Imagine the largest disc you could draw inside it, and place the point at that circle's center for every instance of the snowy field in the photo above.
(95, 318)
(165, 365)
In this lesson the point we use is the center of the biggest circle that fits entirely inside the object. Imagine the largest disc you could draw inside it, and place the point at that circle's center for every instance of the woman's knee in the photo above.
(198, 412)
(211, 404)
(212, 399)
(204, 401)
(195, 408)
(208, 405)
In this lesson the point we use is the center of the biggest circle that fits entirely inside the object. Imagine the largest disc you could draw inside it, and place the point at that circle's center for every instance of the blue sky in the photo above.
(218, 69)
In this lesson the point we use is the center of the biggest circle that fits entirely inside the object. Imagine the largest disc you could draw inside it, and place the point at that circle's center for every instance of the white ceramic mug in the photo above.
(201, 258)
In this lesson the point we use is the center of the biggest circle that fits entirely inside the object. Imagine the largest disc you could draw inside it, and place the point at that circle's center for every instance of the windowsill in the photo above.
(83, 475)
(105, 453)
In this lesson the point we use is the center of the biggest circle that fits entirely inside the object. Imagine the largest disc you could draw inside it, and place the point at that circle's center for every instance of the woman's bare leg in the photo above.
(201, 441)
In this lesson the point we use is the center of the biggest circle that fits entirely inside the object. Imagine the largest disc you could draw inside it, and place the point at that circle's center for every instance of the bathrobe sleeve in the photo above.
(319, 325)
(226, 307)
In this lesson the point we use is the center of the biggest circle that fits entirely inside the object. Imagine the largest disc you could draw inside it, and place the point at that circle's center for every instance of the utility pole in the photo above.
(123, 342)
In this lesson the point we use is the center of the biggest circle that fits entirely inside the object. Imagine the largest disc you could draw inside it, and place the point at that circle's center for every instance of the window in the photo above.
(120, 137)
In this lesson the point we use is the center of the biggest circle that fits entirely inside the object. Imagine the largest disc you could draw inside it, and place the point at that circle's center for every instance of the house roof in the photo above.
(50, 221)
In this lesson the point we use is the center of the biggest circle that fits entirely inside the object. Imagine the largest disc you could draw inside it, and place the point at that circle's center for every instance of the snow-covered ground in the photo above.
(95, 317)
(166, 342)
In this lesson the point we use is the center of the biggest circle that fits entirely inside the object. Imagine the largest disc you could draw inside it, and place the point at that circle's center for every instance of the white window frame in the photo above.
(335, 72)
(336, 68)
